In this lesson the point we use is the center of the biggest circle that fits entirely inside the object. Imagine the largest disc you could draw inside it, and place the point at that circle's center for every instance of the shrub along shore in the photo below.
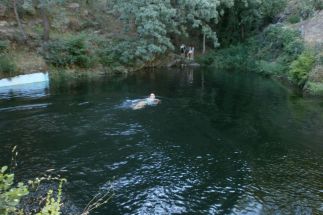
(276, 52)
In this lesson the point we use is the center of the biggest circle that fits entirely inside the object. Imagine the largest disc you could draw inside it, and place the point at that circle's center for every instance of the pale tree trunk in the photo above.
(204, 41)
(24, 36)
(43, 11)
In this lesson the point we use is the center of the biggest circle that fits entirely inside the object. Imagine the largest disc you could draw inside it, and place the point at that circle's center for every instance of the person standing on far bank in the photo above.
(183, 49)
(190, 54)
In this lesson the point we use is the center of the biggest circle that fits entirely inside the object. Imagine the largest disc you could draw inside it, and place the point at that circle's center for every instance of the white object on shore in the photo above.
(24, 79)
(32, 85)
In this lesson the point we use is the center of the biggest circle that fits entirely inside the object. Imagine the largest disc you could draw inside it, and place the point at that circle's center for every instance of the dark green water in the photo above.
(219, 143)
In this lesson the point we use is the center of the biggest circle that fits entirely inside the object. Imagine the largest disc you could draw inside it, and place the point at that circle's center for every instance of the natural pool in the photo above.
(219, 143)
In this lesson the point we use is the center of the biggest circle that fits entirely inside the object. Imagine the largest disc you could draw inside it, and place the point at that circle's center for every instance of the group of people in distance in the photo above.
(187, 51)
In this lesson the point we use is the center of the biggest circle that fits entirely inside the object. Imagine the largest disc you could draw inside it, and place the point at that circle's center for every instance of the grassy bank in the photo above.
(16, 60)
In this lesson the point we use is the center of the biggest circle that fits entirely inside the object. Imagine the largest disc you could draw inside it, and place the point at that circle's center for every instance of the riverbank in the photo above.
(291, 53)
(87, 37)
(26, 61)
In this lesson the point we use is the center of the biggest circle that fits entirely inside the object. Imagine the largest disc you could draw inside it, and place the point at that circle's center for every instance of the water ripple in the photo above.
(25, 107)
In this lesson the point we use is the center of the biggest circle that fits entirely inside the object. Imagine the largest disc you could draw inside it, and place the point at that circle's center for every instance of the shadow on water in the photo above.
(219, 143)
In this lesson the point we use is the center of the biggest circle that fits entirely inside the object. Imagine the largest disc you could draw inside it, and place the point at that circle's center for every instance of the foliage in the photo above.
(234, 57)
(304, 9)
(281, 40)
(73, 51)
(157, 20)
(127, 52)
(318, 4)
(53, 205)
(269, 68)
(246, 18)
(268, 53)
(294, 19)
(10, 193)
(6, 64)
(270, 9)
(4, 46)
(300, 68)
(307, 7)
(314, 88)
(28, 7)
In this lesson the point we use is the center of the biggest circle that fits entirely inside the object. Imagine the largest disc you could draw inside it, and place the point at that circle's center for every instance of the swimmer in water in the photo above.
(151, 100)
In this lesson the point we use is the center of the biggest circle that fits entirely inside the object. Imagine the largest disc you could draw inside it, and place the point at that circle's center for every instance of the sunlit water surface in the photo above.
(219, 143)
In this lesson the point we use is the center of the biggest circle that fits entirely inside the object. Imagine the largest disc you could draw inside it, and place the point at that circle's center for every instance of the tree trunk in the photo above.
(43, 11)
(204, 40)
(24, 36)
(242, 33)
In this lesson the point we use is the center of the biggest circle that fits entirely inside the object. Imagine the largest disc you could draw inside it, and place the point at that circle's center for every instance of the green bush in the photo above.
(320, 59)
(4, 46)
(6, 64)
(246, 18)
(73, 51)
(314, 88)
(127, 53)
(269, 53)
(269, 68)
(307, 7)
(294, 19)
(300, 68)
(53, 203)
(235, 57)
(28, 8)
(207, 59)
(281, 40)
(10, 194)
(318, 4)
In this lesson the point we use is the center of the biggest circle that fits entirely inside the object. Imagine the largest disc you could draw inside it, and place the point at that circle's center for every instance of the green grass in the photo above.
(7, 65)
(314, 88)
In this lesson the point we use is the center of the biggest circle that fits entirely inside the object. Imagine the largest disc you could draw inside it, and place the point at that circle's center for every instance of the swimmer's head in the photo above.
(152, 96)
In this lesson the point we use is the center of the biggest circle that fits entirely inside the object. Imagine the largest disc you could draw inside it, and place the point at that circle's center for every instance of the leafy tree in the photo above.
(44, 7)
(157, 20)
(154, 20)
(245, 18)
(23, 33)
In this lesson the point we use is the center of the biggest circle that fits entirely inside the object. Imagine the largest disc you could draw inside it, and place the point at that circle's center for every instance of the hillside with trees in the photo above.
(122, 36)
